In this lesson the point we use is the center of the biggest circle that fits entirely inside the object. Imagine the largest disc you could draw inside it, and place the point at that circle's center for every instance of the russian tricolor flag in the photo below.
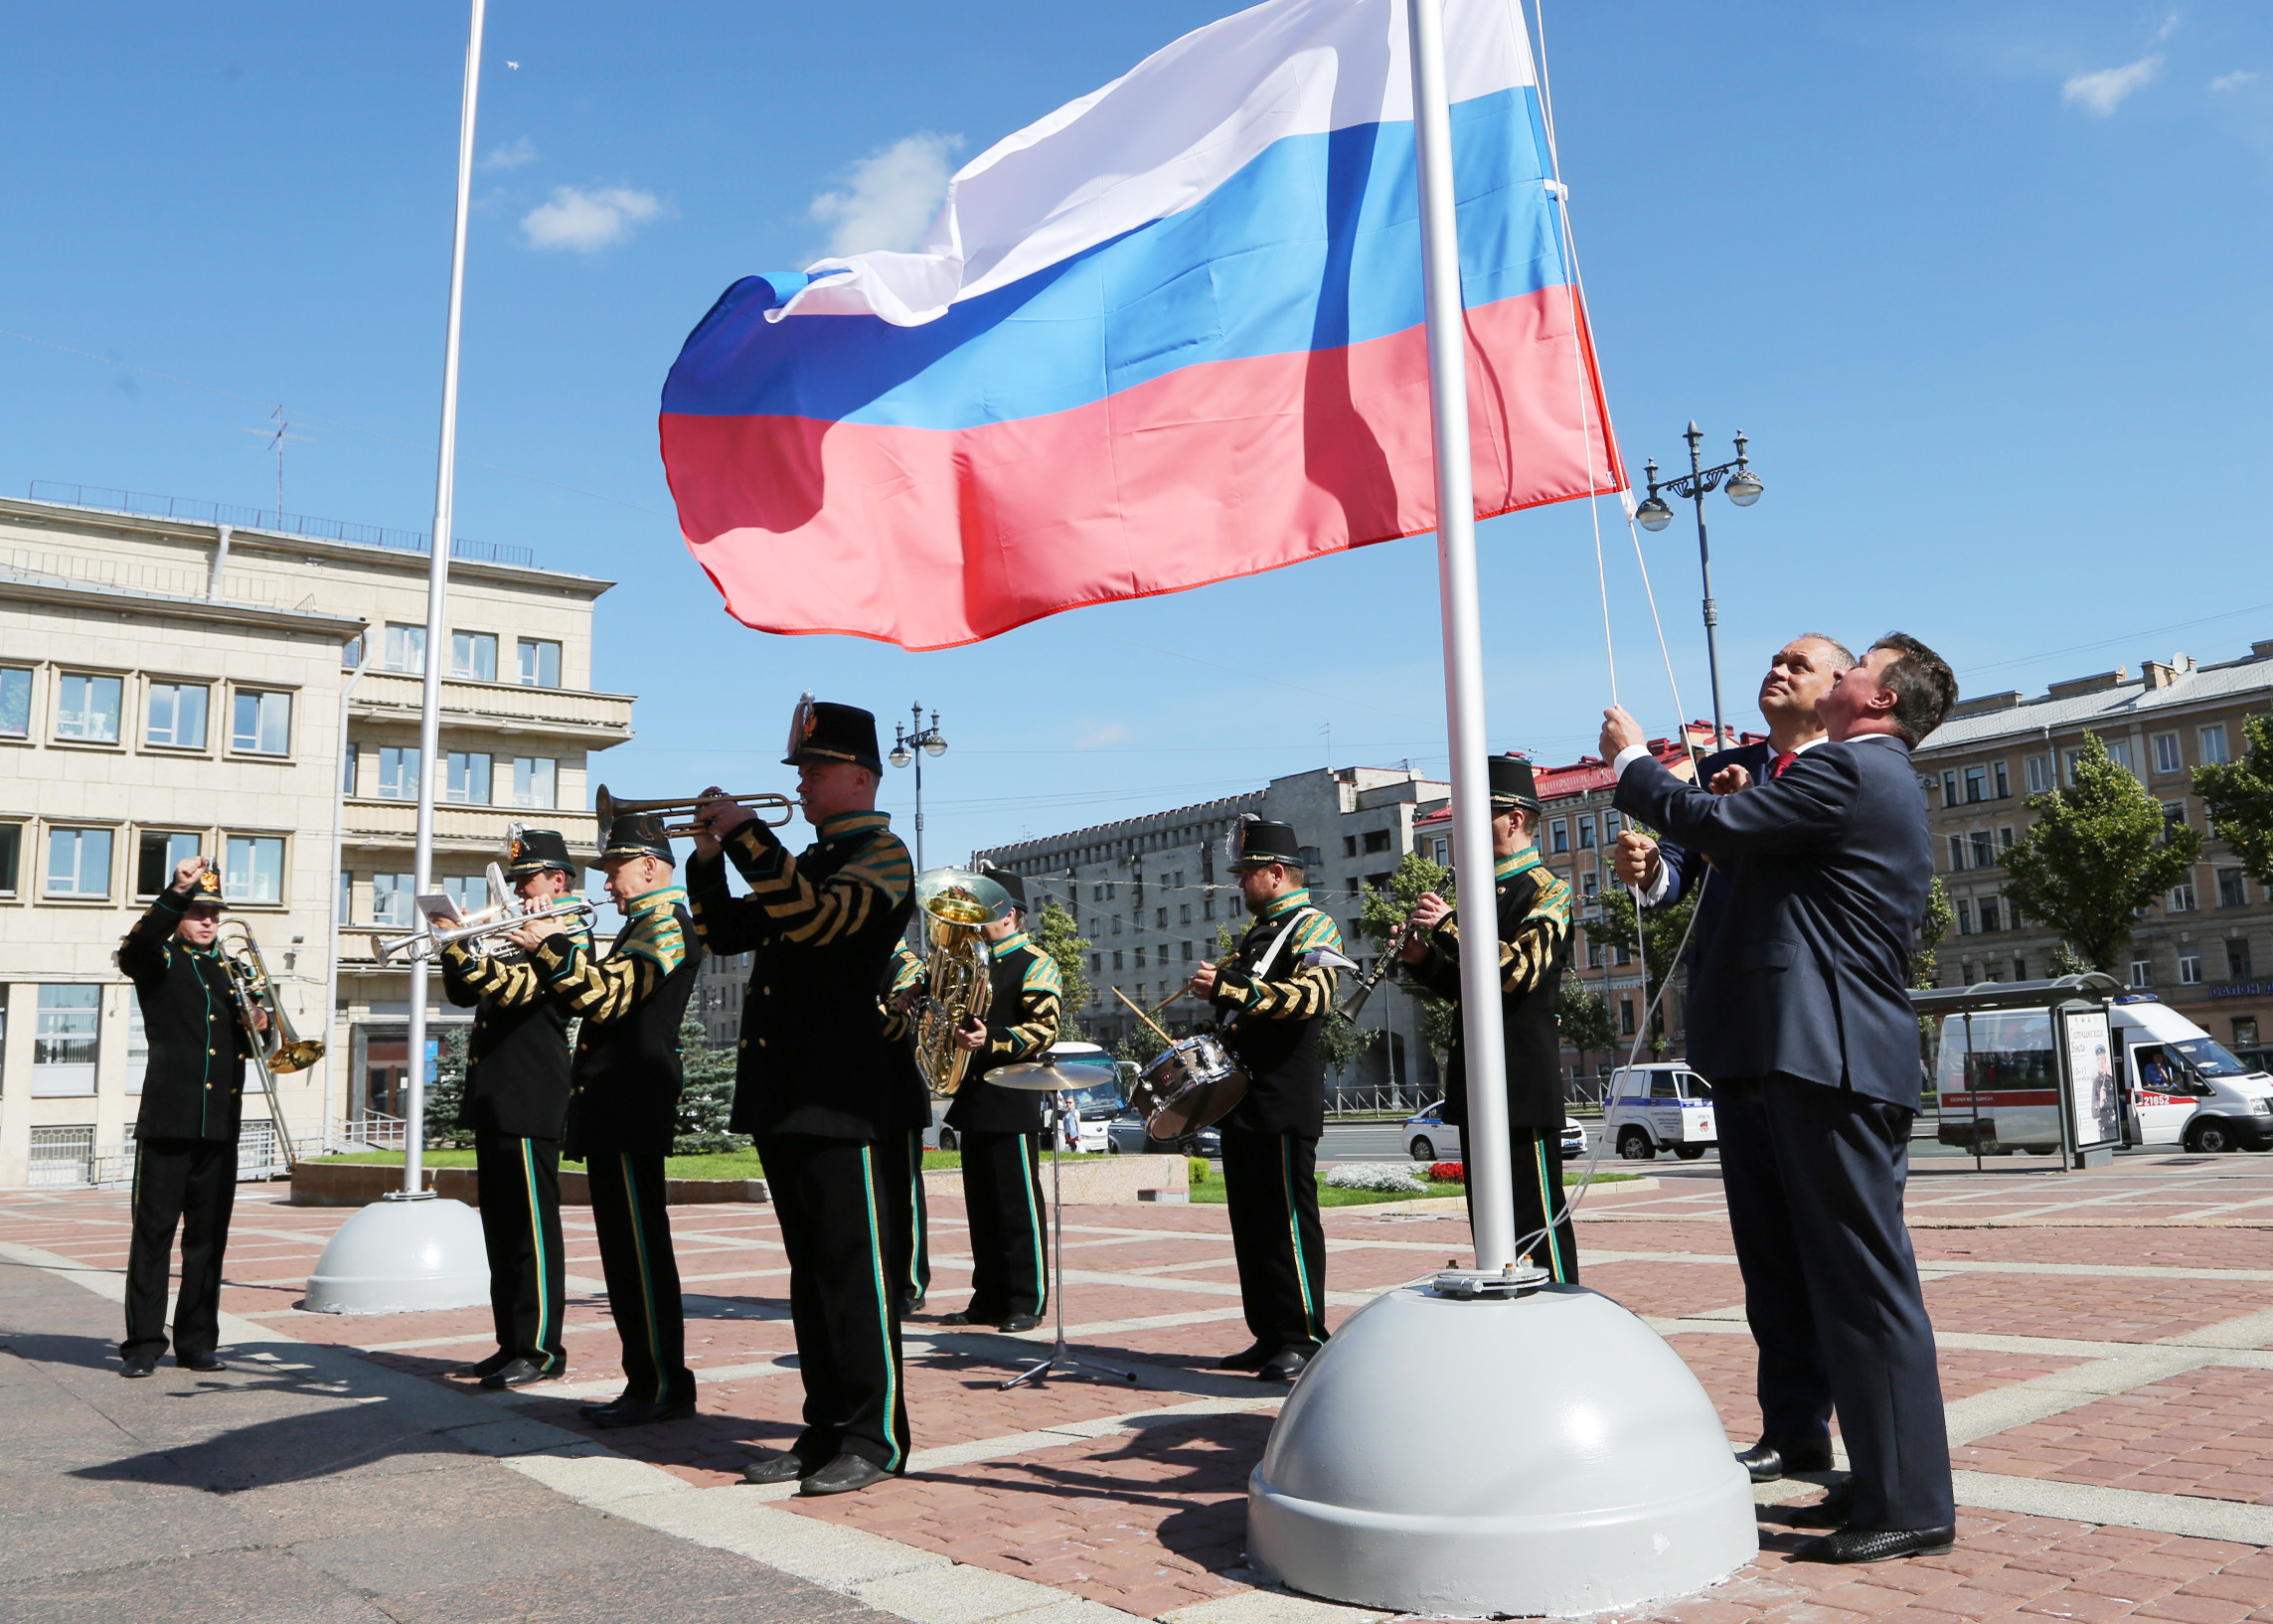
(1170, 334)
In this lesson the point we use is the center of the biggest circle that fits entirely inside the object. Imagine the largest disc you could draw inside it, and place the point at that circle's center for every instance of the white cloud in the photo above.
(2102, 93)
(587, 221)
(2232, 82)
(1097, 737)
(512, 155)
(892, 195)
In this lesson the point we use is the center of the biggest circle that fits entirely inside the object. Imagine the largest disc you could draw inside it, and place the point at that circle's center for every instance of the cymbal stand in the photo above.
(1062, 1358)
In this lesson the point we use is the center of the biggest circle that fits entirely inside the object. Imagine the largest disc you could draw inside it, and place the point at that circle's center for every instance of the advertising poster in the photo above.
(2091, 1079)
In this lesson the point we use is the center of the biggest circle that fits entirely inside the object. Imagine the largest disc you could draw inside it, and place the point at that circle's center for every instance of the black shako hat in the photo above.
(205, 889)
(637, 834)
(1512, 783)
(533, 850)
(1015, 884)
(1261, 841)
(822, 731)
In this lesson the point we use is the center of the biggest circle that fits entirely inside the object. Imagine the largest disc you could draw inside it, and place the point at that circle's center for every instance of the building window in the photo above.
(1588, 883)
(1625, 1017)
(1990, 919)
(64, 1045)
(2005, 838)
(15, 701)
(1096, 893)
(2142, 972)
(390, 898)
(2246, 1031)
(137, 1048)
(1984, 849)
(2213, 741)
(469, 890)
(1957, 854)
(473, 655)
(1964, 907)
(1096, 964)
(1116, 959)
(1622, 953)
(86, 707)
(2183, 897)
(1160, 919)
(11, 853)
(1587, 834)
(2232, 890)
(176, 718)
(79, 862)
(1349, 845)
(2189, 969)
(1949, 789)
(2166, 752)
(262, 724)
(1187, 952)
(349, 756)
(1593, 954)
(2019, 966)
(404, 648)
(2237, 959)
(351, 653)
(536, 782)
(1140, 958)
(1206, 907)
(467, 774)
(1377, 840)
(2004, 781)
(399, 772)
(2119, 751)
(1976, 784)
(2175, 812)
(2068, 759)
(157, 854)
(346, 903)
(1184, 914)
(1116, 924)
(254, 868)
(2036, 774)
(1444, 852)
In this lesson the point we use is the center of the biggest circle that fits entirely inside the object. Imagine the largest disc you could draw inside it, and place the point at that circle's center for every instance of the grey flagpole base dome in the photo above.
(400, 1256)
(1461, 1457)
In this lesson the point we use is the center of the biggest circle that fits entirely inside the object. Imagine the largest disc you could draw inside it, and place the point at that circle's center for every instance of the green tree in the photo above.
(707, 1102)
(1941, 918)
(2096, 856)
(1381, 911)
(1062, 939)
(445, 1097)
(1662, 932)
(2240, 795)
(1583, 1016)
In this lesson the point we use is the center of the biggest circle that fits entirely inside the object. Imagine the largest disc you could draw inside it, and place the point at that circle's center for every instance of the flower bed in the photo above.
(1387, 1176)
(1448, 1172)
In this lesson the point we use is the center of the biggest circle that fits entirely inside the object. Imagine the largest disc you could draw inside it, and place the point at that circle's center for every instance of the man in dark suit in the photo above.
(1812, 1049)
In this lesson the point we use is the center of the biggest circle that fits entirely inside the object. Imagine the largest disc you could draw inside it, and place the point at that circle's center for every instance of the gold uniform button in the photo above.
(761, 1043)
(745, 1044)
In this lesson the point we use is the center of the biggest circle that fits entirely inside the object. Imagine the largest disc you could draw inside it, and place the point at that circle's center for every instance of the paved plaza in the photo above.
(2107, 1358)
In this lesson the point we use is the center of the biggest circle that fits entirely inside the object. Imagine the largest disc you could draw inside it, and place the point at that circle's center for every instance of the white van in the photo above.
(2177, 1084)
(1660, 1106)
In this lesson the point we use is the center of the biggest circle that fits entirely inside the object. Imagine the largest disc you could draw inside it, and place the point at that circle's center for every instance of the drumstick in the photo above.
(1158, 1031)
(1170, 999)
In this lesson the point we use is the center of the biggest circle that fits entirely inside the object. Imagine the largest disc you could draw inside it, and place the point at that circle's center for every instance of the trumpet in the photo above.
(420, 944)
(606, 808)
(276, 1047)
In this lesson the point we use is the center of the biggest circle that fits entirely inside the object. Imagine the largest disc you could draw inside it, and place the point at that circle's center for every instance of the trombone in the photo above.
(606, 808)
(276, 1047)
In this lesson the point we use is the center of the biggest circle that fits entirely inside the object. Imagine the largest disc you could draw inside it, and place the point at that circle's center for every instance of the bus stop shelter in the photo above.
(2025, 1066)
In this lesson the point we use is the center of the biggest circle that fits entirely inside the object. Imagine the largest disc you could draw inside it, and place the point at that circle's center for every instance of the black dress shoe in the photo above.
(592, 1412)
(1767, 1463)
(1020, 1322)
(482, 1367)
(779, 1468)
(205, 1363)
(138, 1365)
(1831, 1512)
(1284, 1365)
(965, 1317)
(843, 1475)
(911, 1303)
(515, 1372)
(634, 1412)
(1247, 1359)
(1876, 1545)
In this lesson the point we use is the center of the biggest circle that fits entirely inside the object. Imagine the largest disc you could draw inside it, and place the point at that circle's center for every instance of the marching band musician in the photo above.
(912, 1266)
(998, 1130)
(1534, 930)
(1274, 993)
(623, 1104)
(828, 1097)
(185, 1136)
(517, 1103)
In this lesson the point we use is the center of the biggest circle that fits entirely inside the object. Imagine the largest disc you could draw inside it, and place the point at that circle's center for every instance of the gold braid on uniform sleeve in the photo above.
(1541, 940)
(906, 971)
(611, 988)
(508, 986)
(1038, 1001)
(798, 911)
(1297, 993)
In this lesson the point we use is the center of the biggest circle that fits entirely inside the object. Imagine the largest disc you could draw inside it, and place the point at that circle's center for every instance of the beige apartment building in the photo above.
(172, 683)
(2205, 947)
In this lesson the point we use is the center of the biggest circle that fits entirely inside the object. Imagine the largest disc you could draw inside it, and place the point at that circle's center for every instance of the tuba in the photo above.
(958, 971)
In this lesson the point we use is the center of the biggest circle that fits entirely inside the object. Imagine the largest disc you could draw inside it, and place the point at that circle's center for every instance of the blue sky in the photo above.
(1986, 283)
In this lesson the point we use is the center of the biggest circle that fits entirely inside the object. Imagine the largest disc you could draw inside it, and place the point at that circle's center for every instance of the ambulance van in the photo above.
(2176, 1083)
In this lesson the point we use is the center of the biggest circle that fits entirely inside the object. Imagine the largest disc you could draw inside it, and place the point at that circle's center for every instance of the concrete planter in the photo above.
(1095, 1181)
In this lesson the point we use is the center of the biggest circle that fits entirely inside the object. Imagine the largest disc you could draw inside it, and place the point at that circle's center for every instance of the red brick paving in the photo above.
(1153, 1520)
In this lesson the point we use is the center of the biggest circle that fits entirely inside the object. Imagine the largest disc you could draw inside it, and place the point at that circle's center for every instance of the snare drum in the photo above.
(1195, 1084)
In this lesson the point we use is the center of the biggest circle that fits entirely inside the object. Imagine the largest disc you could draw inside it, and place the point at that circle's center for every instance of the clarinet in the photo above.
(1372, 978)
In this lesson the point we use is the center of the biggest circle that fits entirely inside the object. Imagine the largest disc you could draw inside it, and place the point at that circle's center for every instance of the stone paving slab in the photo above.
(1092, 1502)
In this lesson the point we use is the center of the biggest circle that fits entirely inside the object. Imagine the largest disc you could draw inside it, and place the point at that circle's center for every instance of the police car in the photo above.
(1429, 1138)
(1660, 1106)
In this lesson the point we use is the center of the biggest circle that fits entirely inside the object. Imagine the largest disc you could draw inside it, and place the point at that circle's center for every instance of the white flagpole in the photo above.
(437, 595)
(1484, 1141)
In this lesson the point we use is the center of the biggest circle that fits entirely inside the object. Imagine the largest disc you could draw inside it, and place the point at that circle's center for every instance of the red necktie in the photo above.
(1784, 759)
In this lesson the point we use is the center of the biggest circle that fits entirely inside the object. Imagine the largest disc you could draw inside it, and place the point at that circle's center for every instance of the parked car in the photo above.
(1663, 1105)
(1126, 1136)
(1429, 1138)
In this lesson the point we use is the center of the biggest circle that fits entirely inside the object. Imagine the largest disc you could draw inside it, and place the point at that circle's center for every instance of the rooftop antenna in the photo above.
(276, 434)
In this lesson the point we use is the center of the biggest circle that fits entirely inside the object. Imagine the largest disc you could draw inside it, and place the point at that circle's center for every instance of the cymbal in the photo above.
(1043, 1078)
